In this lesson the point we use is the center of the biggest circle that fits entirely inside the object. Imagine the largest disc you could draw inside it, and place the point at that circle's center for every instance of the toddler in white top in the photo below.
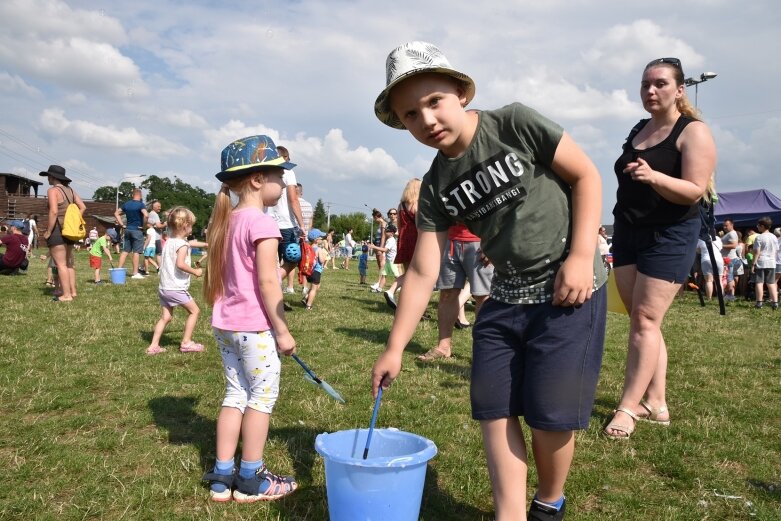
(175, 271)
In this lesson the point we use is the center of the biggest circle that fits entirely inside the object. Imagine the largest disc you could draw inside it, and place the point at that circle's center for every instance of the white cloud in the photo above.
(560, 99)
(627, 48)
(183, 118)
(70, 48)
(54, 122)
(12, 83)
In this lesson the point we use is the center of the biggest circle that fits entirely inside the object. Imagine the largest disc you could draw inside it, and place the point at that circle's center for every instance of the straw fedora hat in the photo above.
(410, 59)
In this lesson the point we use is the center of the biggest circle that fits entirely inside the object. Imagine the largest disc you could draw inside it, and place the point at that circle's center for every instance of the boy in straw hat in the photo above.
(521, 184)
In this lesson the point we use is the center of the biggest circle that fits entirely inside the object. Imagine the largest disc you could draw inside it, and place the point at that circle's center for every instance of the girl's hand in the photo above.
(574, 282)
(286, 344)
(198, 272)
(641, 171)
(385, 370)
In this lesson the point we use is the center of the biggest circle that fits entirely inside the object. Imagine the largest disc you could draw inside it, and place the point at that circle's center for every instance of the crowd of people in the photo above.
(518, 242)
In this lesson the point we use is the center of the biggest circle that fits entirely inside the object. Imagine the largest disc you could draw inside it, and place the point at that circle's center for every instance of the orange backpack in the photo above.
(306, 266)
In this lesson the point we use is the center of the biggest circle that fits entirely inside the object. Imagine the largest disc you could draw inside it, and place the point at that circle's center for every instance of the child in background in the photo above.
(315, 237)
(149, 248)
(389, 269)
(363, 263)
(521, 184)
(175, 281)
(98, 248)
(248, 319)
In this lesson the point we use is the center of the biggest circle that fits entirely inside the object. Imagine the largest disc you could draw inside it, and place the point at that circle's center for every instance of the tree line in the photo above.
(176, 192)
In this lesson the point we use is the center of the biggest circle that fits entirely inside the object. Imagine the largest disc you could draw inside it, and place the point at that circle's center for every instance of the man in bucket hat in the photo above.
(522, 185)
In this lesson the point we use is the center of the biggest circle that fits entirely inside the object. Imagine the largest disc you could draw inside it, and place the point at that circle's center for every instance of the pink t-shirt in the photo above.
(241, 308)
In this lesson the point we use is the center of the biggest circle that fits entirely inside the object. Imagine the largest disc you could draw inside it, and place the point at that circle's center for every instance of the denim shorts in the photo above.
(289, 236)
(134, 241)
(538, 361)
(664, 252)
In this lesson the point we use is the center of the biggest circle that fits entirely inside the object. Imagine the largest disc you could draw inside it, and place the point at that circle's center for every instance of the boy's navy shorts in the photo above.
(538, 361)
(664, 252)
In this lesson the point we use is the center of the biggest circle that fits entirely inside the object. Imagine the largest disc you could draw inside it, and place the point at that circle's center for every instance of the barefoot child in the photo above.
(521, 184)
(175, 281)
(248, 319)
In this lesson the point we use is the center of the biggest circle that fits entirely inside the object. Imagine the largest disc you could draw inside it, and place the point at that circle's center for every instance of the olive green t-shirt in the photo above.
(503, 188)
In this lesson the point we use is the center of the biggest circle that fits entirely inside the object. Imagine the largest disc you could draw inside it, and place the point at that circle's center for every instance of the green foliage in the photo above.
(92, 428)
(320, 218)
(178, 193)
(355, 220)
(108, 194)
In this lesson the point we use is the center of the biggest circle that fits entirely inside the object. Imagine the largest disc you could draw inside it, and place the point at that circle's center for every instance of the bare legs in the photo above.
(647, 300)
(63, 259)
(252, 426)
(505, 451)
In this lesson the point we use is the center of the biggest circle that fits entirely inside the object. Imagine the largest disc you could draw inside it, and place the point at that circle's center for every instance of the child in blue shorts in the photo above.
(521, 184)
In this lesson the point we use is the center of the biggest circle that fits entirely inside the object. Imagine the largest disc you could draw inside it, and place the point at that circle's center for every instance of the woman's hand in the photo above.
(641, 171)
(47, 235)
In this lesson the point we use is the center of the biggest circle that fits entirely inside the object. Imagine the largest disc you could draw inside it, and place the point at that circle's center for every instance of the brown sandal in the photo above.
(431, 355)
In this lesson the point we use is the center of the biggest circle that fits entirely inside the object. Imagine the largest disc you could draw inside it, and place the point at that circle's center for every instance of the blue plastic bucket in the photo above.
(388, 486)
(117, 275)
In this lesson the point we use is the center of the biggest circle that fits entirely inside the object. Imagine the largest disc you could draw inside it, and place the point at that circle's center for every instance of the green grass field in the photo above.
(92, 428)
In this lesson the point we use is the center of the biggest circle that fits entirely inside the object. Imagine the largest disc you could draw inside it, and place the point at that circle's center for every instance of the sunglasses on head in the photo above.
(675, 62)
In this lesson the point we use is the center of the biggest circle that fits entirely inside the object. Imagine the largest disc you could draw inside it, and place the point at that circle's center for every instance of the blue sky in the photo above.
(111, 90)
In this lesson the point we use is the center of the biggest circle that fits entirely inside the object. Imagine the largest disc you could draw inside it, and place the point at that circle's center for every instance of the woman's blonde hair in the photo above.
(178, 218)
(217, 235)
(409, 197)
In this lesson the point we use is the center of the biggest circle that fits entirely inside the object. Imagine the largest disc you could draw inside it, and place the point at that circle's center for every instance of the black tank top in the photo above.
(638, 203)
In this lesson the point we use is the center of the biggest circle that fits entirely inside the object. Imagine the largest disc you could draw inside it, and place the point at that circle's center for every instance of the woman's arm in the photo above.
(53, 195)
(79, 202)
(698, 162)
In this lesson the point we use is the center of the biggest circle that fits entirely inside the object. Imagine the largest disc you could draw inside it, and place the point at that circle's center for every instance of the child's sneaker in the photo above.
(541, 512)
(226, 480)
(263, 486)
(375, 287)
(774, 305)
(305, 292)
(191, 347)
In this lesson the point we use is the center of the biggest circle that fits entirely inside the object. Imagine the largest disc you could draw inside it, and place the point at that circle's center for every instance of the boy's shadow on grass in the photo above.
(438, 505)
(377, 336)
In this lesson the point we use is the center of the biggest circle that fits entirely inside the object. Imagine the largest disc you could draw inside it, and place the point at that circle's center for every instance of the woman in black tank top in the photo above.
(663, 171)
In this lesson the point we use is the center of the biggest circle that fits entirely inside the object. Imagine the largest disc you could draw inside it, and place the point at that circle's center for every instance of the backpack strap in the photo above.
(632, 133)
(69, 201)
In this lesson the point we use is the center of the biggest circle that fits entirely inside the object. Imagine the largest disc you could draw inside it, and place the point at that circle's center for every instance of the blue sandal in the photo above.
(225, 479)
(248, 490)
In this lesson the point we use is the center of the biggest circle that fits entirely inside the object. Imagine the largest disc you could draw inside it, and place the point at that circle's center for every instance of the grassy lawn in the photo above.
(92, 428)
